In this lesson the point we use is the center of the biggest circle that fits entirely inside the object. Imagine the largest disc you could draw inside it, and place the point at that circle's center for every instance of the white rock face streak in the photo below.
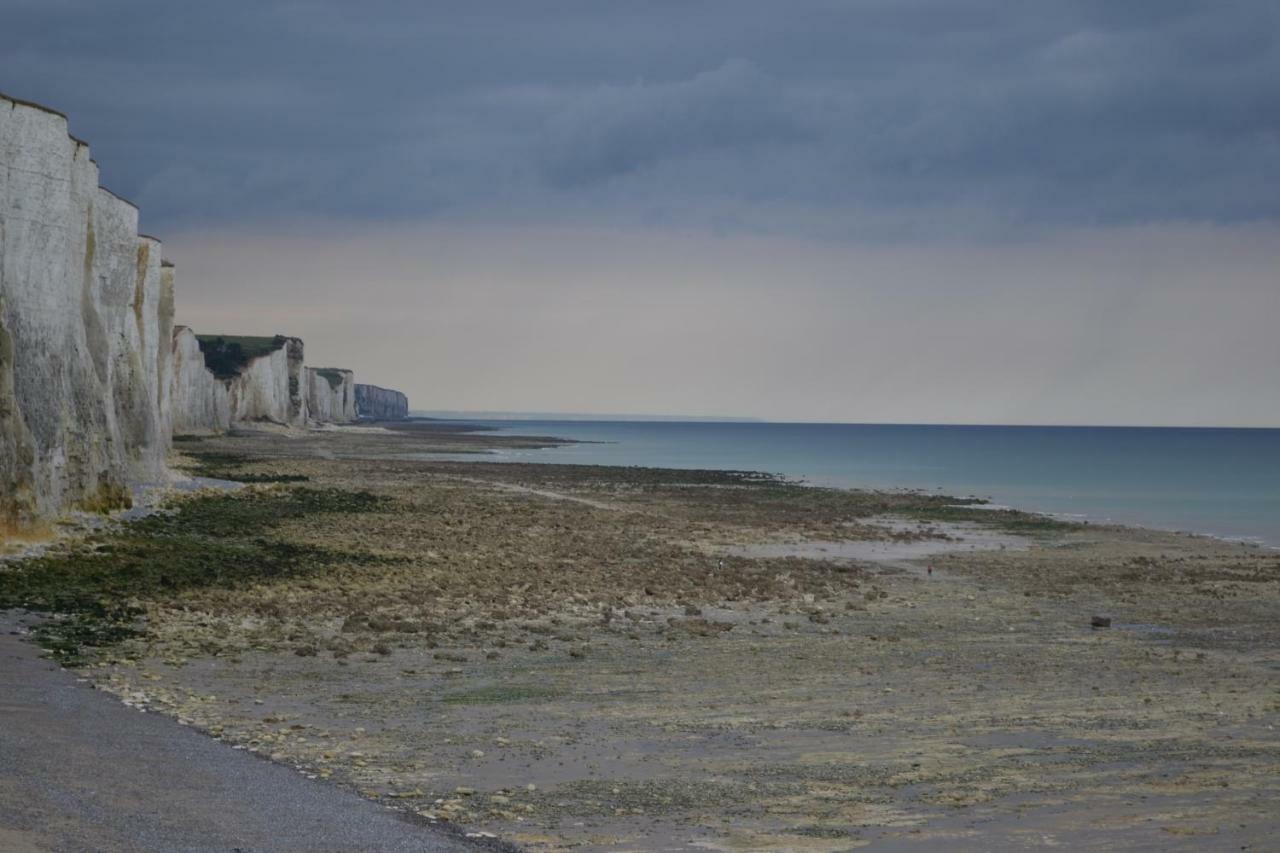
(255, 380)
(271, 388)
(201, 402)
(222, 380)
(331, 395)
(86, 315)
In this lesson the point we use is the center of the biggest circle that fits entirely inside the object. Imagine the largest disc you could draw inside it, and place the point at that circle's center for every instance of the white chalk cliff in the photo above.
(381, 404)
(267, 385)
(86, 314)
(331, 395)
(271, 388)
(201, 402)
(95, 379)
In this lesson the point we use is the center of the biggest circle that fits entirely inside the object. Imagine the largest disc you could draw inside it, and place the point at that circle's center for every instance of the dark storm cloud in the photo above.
(614, 131)
(807, 117)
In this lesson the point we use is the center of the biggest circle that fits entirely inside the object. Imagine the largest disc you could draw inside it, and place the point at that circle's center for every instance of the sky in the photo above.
(946, 211)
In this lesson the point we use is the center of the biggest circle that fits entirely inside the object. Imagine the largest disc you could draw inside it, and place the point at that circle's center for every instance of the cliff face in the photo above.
(215, 386)
(94, 377)
(331, 395)
(272, 387)
(222, 380)
(201, 402)
(86, 317)
(380, 403)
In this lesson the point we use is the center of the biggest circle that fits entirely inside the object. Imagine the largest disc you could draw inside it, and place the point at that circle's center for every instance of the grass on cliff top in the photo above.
(96, 592)
(331, 375)
(227, 355)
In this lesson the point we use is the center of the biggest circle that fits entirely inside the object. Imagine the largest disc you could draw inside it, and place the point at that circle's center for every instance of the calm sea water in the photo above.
(1223, 482)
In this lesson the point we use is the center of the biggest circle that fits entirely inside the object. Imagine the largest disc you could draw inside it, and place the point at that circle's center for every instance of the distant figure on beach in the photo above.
(931, 570)
(720, 565)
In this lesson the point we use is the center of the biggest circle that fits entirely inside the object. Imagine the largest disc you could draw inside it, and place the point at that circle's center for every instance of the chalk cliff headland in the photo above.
(381, 403)
(95, 378)
(331, 395)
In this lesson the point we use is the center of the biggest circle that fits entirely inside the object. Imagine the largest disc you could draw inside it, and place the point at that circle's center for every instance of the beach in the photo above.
(620, 658)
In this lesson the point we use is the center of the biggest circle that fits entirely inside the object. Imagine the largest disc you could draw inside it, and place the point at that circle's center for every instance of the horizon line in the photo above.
(586, 417)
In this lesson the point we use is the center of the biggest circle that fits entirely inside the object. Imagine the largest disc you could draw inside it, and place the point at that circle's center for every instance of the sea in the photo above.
(1218, 482)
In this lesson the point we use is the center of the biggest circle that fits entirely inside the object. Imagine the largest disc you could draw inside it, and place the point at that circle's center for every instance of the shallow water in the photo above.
(944, 539)
(1220, 482)
(148, 496)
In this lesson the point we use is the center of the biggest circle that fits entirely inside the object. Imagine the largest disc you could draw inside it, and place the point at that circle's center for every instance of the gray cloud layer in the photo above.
(879, 117)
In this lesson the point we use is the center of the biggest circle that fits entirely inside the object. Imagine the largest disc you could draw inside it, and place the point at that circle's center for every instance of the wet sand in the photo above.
(627, 659)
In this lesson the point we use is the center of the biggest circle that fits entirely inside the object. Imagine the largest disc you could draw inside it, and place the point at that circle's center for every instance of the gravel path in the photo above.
(80, 771)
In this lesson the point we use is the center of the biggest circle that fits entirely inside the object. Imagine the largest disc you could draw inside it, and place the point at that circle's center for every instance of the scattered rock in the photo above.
(455, 657)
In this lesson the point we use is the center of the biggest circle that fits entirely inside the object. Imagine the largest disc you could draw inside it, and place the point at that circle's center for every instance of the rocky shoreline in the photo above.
(607, 658)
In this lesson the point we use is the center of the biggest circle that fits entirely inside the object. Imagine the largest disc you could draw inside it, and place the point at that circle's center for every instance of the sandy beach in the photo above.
(577, 657)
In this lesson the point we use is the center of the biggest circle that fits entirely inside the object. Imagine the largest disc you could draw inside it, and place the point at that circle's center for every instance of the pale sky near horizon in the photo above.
(947, 211)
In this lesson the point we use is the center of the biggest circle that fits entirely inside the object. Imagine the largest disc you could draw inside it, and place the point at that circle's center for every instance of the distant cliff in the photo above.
(221, 380)
(380, 404)
(270, 385)
(86, 315)
(201, 401)
(95, 379)
(331, 395)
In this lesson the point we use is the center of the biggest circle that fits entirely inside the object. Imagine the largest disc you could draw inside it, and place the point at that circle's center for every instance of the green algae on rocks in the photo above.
(96, 590)
(228, 466)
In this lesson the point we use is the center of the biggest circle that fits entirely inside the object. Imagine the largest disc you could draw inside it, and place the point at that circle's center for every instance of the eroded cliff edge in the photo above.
(201, 402)
(222, 380)
(86, 316)
(331, 395)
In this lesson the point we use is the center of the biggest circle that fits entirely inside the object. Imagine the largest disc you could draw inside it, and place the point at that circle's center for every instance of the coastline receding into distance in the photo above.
(1208, 481)
(1075, 329)
(95, 376)
(967, 539)
(810, 664)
